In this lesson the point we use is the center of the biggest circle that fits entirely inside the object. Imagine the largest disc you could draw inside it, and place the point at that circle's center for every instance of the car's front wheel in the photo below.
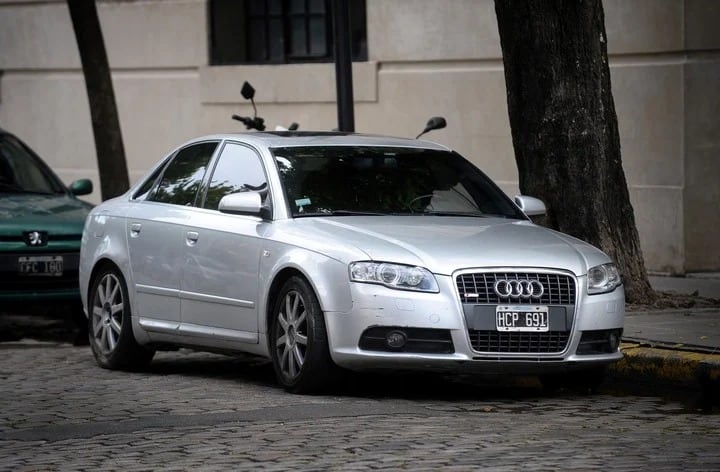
(298, 339)
(110, 324)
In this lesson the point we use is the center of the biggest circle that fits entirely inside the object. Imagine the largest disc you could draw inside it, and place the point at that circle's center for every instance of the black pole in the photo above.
(343, 65)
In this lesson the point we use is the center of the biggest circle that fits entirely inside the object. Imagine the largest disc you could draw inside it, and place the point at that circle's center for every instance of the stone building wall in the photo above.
(425, 58)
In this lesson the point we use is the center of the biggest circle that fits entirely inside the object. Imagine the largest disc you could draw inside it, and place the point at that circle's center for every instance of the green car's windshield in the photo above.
(22, 172)
(365, 180)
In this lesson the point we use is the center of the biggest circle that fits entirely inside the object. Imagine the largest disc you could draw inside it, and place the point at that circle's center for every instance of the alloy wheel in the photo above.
(292, 340)
(107, 313)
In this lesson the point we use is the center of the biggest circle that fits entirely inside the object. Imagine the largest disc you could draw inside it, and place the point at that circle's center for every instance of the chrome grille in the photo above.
(518, 342)
(477, 288)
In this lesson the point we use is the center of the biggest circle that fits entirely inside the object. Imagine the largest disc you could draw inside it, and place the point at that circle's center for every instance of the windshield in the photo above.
(352, 180)
(21, 171)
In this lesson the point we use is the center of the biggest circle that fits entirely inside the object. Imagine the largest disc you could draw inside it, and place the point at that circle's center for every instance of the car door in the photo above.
(155, 236)
(220, 273)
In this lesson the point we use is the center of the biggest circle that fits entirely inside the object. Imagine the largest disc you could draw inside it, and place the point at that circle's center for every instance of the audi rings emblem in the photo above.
(512, 288)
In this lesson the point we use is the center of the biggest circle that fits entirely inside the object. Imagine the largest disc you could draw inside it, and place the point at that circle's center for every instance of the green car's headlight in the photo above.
(603, 278)
(398, 276)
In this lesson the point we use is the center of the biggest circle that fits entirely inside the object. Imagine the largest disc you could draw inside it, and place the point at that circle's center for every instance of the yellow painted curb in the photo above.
(667, 364)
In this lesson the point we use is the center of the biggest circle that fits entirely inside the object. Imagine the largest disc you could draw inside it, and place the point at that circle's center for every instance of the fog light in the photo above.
(396, 339)
(614, 340)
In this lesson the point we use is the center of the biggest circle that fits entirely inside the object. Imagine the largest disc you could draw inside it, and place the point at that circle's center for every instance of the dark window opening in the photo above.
(238, 169)
(182, 178)
(280, 31)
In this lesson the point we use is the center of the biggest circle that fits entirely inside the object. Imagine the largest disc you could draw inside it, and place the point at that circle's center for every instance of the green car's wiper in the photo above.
(14, 188)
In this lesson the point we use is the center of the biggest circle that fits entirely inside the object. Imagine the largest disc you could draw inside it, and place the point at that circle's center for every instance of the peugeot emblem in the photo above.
(513, 288)
(35, 238)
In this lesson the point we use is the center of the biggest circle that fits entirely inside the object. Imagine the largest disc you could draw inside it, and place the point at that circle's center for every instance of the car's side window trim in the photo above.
(150, 194)
(212, 166)
(155, 177)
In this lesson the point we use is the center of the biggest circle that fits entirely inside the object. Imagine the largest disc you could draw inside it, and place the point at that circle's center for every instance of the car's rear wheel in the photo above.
(298, 339)
(110, 324)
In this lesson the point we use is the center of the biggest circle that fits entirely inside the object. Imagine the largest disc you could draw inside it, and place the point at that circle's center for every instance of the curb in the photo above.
(672, 367)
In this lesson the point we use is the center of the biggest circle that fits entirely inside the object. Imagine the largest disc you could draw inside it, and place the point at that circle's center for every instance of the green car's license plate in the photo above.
(51, 266)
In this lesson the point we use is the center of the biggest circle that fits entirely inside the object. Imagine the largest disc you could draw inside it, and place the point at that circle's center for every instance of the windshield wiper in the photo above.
(12, 187)
(339, 213)
(356, 213)
(459, 213)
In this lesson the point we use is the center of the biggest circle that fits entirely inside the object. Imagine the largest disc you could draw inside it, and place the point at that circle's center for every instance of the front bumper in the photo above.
(435, 321)
(17, 288)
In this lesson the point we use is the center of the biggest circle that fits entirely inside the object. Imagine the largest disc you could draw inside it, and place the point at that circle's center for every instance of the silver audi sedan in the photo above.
(330, 251)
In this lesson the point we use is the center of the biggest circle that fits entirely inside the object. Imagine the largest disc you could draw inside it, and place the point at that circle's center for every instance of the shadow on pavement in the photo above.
(42, 325)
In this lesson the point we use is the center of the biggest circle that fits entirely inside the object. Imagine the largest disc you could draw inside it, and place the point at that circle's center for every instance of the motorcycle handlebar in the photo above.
(256, 123)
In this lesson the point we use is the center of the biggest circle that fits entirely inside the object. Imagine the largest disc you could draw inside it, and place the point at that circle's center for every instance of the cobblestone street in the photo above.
(200, 411)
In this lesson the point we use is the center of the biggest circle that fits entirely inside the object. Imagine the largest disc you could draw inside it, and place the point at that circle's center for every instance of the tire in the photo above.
(110, 324)
(298, 340)
(586, 381)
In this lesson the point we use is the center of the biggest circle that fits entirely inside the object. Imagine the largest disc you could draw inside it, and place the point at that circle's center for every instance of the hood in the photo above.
(446, 244)
(57, 214)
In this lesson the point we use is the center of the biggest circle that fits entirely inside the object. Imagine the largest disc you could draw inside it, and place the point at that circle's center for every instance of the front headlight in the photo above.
(398, 276)
(603, 278)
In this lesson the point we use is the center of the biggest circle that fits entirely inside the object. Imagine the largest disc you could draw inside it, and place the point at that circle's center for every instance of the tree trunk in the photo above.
(112, 167)
(564, 126)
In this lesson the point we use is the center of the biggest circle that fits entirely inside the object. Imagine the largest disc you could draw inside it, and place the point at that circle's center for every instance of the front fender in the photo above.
(327, 276)
(97, 246)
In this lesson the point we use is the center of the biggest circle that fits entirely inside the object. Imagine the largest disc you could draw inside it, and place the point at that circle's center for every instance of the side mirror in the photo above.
(436, 122)
(81, 187)
(530, 206)
(244, 203)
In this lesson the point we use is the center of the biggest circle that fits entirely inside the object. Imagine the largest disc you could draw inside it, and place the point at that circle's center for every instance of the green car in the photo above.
(41, 224)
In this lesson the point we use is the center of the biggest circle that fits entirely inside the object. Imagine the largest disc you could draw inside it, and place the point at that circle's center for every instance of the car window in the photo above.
(144, 190)
(238, 169)
(326, 180)
(21, 172)
(183, 176)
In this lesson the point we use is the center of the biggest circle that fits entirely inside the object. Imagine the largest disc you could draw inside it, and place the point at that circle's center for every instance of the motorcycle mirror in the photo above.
(436, 122)
(247, 91)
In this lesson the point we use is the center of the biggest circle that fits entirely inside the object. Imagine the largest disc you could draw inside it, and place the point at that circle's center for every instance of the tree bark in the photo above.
(112, 166)
(564, 126)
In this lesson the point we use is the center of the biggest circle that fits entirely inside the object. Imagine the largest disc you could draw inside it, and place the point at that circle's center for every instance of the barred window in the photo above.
(280, 31)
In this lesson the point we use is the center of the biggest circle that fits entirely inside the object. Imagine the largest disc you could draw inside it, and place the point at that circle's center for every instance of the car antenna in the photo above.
(436, 122)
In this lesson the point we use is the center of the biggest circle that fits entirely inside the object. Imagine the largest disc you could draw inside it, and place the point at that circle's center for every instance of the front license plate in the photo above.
(51, 266)
(522, 318)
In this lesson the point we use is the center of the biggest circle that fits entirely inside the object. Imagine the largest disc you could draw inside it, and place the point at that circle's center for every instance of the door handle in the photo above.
(135, 230)
(191, 238)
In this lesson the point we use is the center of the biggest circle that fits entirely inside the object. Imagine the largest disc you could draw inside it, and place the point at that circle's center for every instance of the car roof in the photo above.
(275, 139)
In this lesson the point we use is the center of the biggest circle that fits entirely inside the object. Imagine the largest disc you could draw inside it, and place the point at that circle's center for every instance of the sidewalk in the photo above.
(676, 346)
